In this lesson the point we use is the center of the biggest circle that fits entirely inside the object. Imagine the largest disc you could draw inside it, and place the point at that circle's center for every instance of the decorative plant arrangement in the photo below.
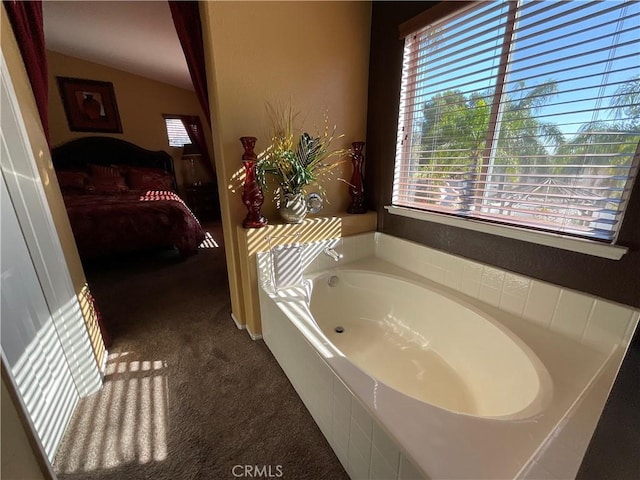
(296, 161)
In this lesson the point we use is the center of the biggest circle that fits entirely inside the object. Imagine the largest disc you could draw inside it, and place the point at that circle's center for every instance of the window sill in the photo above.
(596, 249)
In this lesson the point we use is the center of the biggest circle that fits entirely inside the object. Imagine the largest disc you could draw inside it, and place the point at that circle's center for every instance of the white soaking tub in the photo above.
(385, 359)
(429, 345)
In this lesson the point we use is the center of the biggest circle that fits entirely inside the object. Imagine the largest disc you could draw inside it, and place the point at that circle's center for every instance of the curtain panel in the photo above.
(186, 18)
(26, 19)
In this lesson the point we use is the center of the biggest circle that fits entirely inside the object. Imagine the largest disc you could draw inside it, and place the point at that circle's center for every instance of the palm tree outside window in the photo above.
(523, 113)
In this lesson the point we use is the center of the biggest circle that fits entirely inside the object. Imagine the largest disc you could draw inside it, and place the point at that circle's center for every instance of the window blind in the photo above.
(177, 134)
(525, 113)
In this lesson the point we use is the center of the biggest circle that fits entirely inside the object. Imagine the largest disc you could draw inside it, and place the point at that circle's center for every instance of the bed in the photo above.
(122, 198)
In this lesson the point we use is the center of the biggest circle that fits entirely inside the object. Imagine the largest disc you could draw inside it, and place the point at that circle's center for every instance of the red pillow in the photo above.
(105, 184)
(107, 179)
(140, 178)
(104, 171)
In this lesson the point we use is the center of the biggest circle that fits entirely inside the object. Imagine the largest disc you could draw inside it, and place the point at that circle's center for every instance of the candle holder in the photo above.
(252, 195)
(356, 188)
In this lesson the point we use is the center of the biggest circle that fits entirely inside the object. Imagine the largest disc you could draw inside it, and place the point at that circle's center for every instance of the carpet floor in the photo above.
(186, 394)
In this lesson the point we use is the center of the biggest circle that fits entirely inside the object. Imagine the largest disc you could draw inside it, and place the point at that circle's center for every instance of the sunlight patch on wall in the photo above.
(90, 314)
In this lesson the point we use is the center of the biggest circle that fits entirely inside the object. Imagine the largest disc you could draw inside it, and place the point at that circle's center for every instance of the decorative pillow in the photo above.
(104, 170)
(140, 178)
(107, 184)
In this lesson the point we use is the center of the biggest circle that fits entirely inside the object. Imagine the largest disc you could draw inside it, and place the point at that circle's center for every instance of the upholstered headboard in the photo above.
(77, 154)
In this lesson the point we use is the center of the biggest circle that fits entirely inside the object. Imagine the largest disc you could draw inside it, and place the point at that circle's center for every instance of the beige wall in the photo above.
(141, 103)
(311, 54)
(18, 460)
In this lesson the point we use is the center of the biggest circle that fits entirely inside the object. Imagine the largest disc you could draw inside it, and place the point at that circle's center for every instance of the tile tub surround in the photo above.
(597, 323)
(574, 351)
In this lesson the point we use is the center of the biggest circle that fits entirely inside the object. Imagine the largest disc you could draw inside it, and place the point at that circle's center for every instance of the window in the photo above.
(176, 132)
(523, 113)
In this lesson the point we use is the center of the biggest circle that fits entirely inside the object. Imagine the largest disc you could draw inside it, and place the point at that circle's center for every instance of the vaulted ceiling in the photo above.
(134, 36)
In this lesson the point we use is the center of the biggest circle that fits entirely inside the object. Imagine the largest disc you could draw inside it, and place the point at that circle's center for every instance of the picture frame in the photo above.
(90, 105)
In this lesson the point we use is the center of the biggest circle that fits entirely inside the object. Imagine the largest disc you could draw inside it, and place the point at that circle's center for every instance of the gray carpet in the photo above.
(187, 395)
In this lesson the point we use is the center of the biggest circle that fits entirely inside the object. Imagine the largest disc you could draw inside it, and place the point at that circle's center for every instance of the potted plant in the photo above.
(296, 161)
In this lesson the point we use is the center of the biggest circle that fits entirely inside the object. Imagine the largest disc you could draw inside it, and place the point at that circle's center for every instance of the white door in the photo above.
(45, 343)
(29, 339)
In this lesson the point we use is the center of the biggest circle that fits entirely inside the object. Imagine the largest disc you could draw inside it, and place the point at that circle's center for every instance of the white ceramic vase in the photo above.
(293, 208)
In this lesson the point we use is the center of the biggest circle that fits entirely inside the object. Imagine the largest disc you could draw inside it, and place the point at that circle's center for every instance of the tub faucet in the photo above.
(332, 253)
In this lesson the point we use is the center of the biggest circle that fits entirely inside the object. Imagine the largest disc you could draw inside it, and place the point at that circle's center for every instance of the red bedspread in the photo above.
(104, 224)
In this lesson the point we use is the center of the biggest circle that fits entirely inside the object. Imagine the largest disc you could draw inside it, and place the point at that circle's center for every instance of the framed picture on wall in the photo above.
(90, 105)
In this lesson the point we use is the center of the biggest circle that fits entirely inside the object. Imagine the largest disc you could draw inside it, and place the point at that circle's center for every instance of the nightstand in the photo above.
(203, 201)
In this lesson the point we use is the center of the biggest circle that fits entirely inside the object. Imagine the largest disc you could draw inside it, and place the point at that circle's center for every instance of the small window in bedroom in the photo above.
(522, 113)
(177, 134)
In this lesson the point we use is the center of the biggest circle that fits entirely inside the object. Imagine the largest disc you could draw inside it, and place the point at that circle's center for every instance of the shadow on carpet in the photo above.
(186, 394)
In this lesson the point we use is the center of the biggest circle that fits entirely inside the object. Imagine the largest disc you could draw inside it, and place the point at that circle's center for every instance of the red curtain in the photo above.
(27, 23)
(186, 18)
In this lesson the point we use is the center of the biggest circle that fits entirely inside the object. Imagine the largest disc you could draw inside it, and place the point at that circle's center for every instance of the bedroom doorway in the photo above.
(134, 47)
(144, 296)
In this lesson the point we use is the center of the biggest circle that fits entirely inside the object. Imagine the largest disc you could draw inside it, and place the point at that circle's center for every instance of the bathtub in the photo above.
(427, 344)
(441, 377)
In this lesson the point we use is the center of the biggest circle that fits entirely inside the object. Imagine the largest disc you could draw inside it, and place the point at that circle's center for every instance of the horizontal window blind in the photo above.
(525, 113)
(178, 136)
